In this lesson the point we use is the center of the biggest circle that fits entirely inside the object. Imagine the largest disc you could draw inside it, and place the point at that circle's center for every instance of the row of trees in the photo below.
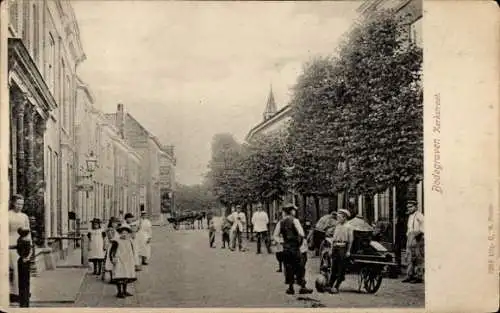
(357, 125)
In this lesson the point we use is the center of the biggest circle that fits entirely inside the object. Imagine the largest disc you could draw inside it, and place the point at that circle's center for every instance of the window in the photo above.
(14, 14)
(36, 33)
(62, 95)
(26, 22)
(51, 56)
(416, 32)
(57, 227)
(66, 100)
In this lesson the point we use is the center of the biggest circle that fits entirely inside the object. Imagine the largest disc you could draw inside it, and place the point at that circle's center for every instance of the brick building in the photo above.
(150, 150)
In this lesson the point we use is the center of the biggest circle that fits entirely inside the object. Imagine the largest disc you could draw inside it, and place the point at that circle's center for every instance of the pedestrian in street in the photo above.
(414, 245)
(111, 234)
(23, 264)
(123, 258)
(129, 218)
(96, 246)
(211, 232)
(260, 221)
(144, 235)
(293, 237)
(238, 220)
(136, 238)
(342, 240)
(226, 230)
(17, 219)
(278, 239)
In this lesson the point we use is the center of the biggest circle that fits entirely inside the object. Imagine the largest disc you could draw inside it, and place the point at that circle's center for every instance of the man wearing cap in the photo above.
(342, 240)
(293, 236)
(414, 244)
(238, 220)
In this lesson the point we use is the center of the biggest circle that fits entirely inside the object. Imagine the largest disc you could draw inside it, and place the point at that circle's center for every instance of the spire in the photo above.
(270, 105)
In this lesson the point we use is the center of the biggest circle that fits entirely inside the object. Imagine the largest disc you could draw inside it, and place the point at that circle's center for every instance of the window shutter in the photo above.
(13, 14)
(26, 21)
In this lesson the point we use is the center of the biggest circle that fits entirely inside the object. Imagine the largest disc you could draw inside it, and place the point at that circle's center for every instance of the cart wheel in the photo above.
(372, 280)
(362, 277)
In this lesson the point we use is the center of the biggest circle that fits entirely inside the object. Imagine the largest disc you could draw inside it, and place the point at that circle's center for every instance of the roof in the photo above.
(271, 103)
(283, 112)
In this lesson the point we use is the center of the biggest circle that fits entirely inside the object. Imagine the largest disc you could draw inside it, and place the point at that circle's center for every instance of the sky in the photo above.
(189, 70)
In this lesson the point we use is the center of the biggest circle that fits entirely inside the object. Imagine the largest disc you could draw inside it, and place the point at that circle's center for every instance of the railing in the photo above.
(79, 241)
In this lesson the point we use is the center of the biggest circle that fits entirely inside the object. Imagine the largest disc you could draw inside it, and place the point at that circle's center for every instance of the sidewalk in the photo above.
(61, 285)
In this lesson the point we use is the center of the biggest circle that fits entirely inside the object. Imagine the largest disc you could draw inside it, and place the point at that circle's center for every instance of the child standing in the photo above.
(136, 241)
(211, 232)
(226, 229)
(123, 257)
(96, 245)
(278, 239)
(23, 263)
(111, 234)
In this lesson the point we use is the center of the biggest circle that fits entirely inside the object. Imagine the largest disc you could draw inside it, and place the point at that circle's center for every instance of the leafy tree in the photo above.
(225, 169)
(195, 198)
(361, 110)
(265, 167)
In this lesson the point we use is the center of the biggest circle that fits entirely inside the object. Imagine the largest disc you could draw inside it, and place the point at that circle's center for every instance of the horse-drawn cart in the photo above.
(369, 259)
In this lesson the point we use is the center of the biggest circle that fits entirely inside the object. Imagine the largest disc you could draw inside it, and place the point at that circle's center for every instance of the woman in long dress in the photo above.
(123, 258)
(96, 245)
(17, 219)
(144, 235)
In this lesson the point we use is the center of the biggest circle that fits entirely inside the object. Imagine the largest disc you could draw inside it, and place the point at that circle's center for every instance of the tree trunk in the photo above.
(401, 218)
(332, 202)
(316, 206)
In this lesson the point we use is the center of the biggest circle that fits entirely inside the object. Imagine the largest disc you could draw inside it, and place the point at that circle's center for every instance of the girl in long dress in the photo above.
(111, 234)
(122, 256)
(136, 239)
(96, 245)
(17, 219)
(144, 235)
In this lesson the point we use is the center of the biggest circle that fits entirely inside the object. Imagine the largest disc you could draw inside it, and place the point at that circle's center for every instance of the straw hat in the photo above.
(345, 212)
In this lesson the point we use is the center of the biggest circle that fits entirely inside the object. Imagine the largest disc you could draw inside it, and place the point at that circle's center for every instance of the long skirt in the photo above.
(13, 271)
(143, 247)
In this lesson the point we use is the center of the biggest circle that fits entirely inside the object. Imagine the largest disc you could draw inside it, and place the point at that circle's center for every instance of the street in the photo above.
(185, 272)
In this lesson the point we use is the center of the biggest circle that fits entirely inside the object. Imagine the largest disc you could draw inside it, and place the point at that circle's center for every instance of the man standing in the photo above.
(260, 220)
(145, 235)
(238, 220)
(414, 244)
(342, 240)
(293, 236)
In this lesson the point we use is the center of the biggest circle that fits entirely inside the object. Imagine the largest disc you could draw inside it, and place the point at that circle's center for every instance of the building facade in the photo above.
(44, 52)
(273, 121)
(167, 179)
(150, 151)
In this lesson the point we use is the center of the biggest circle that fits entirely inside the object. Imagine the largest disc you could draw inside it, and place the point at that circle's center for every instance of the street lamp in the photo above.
(91, 162)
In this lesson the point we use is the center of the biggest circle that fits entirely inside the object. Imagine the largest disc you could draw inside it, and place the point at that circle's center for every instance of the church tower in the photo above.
(270, 106)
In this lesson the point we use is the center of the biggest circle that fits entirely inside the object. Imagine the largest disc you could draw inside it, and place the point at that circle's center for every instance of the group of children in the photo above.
(120, 250)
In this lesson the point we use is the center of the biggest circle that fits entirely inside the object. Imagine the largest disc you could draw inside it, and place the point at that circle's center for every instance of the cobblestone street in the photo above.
(185, 272)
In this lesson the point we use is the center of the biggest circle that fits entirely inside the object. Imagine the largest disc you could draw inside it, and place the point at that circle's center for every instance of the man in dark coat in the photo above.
(293, 236)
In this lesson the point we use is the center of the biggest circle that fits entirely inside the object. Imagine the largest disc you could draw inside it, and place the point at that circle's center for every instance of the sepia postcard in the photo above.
(250, 155)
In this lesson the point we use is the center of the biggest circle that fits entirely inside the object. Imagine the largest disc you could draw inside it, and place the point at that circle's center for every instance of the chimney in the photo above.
(120, 120)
